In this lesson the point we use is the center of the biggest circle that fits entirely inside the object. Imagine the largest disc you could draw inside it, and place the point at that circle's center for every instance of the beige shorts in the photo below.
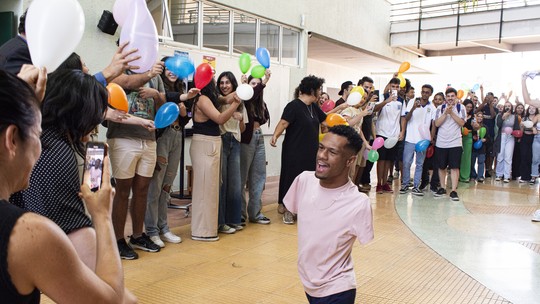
(360, 160)
(130, 156)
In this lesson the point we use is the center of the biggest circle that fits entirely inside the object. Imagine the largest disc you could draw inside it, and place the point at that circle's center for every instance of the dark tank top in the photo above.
(9, 214)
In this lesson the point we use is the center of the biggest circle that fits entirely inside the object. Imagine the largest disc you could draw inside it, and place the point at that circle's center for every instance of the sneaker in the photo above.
(288, 218)
(417, 192)
(532, 181)
(440, 192)
(281, 208)
(404, 190)
(497, 178)
(226, 229)
(481, 180)
(464, 181)
(263, 220)
(423, 185)
(365, 188)
(411, 185)
(143, 243)
(243, 222)
(488, 175)
(506, 180)
(170, 237)
(433, 189)
(536, 216)
(386, 188)
(521, 181)
(126, 252)
(157, 241)
(454, 196)
(379, 189)
(396, 174)
(205, 238)
(390, 179)
(237, 227)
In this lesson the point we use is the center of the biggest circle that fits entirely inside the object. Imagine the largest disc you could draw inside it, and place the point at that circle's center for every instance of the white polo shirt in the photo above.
(388, 121)
(422, 116)
(449, 135)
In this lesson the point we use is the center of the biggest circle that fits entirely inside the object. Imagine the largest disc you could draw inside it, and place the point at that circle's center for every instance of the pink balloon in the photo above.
(328, 105)
(377, 143)
(507, 130)
(140, 30)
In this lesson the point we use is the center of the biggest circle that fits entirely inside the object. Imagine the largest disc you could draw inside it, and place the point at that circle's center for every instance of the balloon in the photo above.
(166, 115)
(464, 131)
(244, 91)
(244, 62)
(390, 142)
(328, 105)
(334, 119)
(263, 56)
(53, 31)
(140, 30)
(180, 66)
(402, 82)
(507, 130)
(377, 143)
(424, 132)
(422, 145)
(477, 144)
(373, 156)
(366, 153)
(404, 67)
(430, 150)
(460, 94)
(482, 132)
(203, 75)
(258, 71)
(358, 89)
(528, 124)
(354, 98)
(475, 87)
(517, 133)
(121, 11)
(321, 136)
(117, 97)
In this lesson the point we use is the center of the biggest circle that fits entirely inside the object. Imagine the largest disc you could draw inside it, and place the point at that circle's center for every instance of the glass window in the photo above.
(216, 23)
(291, 44)
(270, 39)
(245, 32)
(185, 21)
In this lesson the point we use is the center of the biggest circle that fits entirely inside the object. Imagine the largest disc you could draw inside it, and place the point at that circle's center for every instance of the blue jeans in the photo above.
(481, 164)
(230, 194)
(504, 158)
(253, 171)
(408, 154)
(168, 150)
(536, 156)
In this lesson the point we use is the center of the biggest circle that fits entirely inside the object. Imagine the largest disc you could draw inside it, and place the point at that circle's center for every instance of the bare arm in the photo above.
(135, 81)
(207, 108)
(267, 75)
(280, 127)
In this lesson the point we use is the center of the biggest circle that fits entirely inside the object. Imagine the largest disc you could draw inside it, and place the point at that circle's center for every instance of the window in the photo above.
(291, 43)
(185, 21)
(216, 23)
(269, 34)
(245, 32)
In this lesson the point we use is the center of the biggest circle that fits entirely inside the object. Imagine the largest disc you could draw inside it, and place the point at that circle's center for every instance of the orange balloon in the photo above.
(334, 119)
(460, 94)
(465, 131)
(404, 67)
(117, 97)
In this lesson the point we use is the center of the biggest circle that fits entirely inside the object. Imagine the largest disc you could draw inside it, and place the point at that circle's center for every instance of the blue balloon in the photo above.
(475, 87)
(478, 144)
(422, 145)
(166, 115)
(263, 56)
(180, 66)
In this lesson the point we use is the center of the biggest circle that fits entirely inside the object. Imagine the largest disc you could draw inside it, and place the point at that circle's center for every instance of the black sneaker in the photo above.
(423, 185)
(403, 190)
(417, 192)
(143, 243)
(126, 252)
(263, 220)
(433, 189)
(454, 196)
(440, 192)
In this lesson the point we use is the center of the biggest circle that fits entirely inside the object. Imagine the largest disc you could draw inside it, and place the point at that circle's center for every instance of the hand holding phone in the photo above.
(370, 106)
(93, 165)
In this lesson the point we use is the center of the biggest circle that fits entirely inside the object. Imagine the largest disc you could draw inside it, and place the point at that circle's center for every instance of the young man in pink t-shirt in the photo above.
(332, 214)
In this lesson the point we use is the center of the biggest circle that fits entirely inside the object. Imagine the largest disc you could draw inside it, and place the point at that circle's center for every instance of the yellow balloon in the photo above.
(358, 89)
(321, 136)
(402, 81)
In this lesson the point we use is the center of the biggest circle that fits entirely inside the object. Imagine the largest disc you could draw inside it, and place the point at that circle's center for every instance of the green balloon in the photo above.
(482, 132)
(373, 156)
(244, 62)
(258, 71)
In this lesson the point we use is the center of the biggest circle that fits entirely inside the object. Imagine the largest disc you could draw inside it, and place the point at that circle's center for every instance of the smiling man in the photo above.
(332, 214)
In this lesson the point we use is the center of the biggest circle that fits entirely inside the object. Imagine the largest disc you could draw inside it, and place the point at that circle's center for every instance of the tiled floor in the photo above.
(483, 249)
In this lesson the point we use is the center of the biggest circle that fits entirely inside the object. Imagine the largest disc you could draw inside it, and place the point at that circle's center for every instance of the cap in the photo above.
(344, 86)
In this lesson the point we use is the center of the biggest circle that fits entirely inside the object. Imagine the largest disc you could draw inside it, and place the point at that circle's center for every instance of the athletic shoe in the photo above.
(488, 175)
(497, 178)
(481, 180)
(417, 192)
(464, 181)
(433, 189)
(506, 180)
(411, 184)
(423, 185)
(536, 216)
(386, 188)
(205, 238)
(390, 179)
(263, 220)
(521, 181)
(454, 196)
(532, 181)
(226, 229)
(365, 188)
(143, 243)
(126, 252)
(396, 174)
(379, 189)
(404, 190)
(157, 241)
(237, 227)
(281, 208)
(441, 192)
(288, 218)
(170, 237)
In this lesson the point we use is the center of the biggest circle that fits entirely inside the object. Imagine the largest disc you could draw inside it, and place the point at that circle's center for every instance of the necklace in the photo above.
(310, 110)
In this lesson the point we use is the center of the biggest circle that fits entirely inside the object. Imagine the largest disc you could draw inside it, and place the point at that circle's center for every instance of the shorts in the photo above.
(360, 160)
(448, 157)
(388, 154)
(130, 156)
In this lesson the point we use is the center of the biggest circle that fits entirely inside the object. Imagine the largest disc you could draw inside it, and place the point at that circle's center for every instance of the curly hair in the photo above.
(309, 85)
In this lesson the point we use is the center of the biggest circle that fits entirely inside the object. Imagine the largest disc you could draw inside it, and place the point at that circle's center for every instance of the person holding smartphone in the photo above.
(504, 143)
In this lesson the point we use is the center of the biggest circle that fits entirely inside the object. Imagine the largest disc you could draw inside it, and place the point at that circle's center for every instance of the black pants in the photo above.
(525, 159)
(429, 164)
(345, 297)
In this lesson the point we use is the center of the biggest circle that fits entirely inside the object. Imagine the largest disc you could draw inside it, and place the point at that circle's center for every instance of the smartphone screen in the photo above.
(370, 107)
(93, 165)
(394, 93)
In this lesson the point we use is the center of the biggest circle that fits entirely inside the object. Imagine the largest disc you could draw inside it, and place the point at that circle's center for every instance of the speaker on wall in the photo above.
(107, 24)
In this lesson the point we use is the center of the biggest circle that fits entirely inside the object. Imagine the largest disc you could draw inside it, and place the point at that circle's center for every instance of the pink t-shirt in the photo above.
(329, 221)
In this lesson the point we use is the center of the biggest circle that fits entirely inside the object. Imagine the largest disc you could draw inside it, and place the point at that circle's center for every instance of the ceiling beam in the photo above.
(418, 52)
(501, 47)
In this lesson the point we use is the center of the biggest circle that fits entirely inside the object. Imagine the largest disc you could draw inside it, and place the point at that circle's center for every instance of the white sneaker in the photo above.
(157, 241)
(170, 237)
(536, 216)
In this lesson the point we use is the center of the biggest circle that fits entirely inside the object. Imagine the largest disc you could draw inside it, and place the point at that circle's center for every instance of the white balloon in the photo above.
(244, 91)
(354, 98)
(528, 124)
(121, 10)
(54, 28)
(389, 143)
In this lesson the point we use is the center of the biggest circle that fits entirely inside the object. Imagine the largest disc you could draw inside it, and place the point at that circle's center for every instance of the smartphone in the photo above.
(394, 93)
(93, 164)
(376, 93)
(370, 107)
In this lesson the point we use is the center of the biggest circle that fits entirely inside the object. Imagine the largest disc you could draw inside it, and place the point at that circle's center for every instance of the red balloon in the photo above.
(430, 151)
(517, 133)
(203, 75)
(328, 105)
